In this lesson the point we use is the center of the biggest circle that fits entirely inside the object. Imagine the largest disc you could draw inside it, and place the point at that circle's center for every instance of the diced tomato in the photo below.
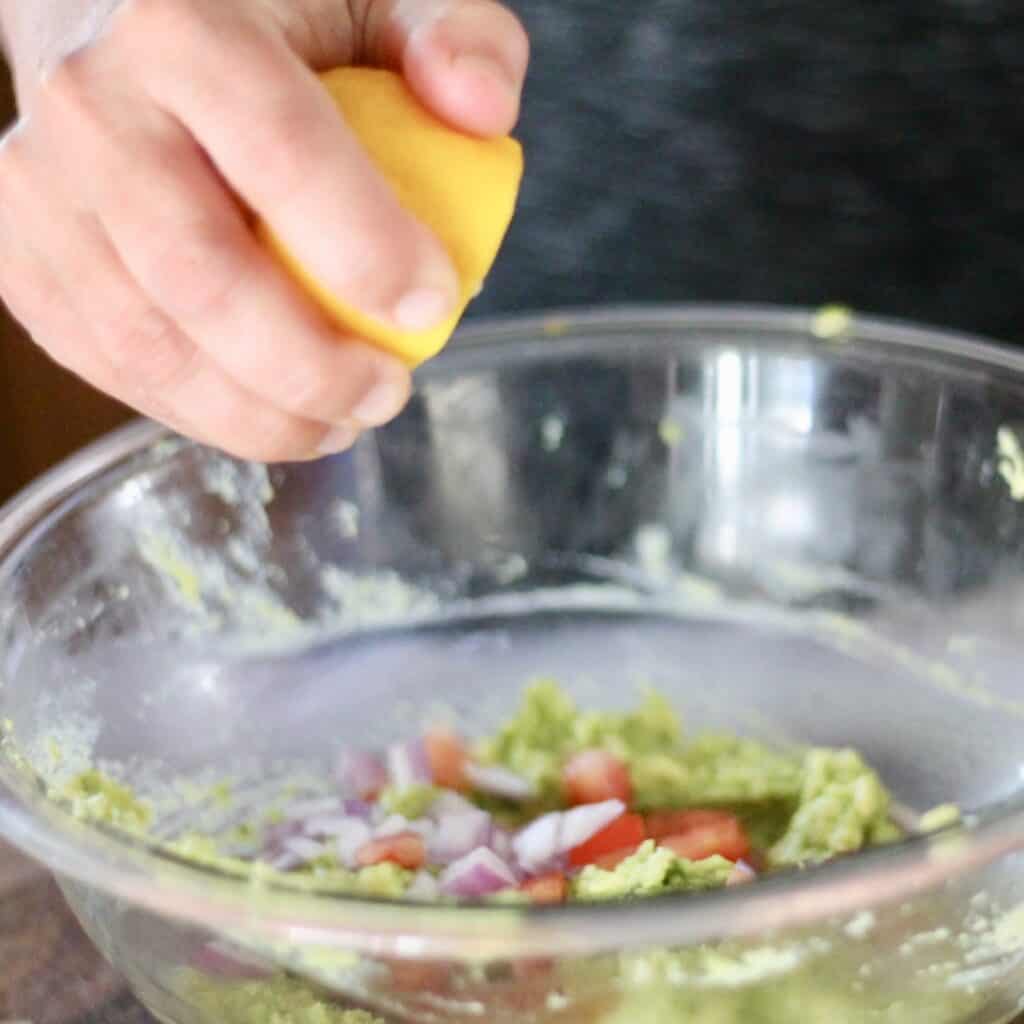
(625, 832)
(406, 849)
(661, 824)
(610, 861)
(594, 776)
(551, 888)
(726, 838)
(446, 754)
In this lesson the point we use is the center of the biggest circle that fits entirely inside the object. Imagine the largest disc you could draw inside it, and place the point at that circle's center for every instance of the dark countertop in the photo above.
(49, 971)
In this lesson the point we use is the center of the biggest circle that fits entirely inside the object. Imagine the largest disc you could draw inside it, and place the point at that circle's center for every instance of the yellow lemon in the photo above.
(463, 188)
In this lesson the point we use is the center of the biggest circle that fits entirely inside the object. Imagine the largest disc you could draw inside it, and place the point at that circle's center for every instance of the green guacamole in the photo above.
(795, 809)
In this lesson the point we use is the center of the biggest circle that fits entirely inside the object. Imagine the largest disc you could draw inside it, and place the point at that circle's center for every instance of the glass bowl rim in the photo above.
(141, 875)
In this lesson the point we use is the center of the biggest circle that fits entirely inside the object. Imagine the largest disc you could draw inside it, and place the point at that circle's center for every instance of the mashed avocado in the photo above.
(410, 802)
(797, 808)
(842, 808)
(667, 769)
(279, 1000)
(323, 875)
(651, 871)
(95, 797)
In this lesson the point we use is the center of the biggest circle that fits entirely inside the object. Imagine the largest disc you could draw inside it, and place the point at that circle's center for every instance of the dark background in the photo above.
(45, 413)
(780, 151)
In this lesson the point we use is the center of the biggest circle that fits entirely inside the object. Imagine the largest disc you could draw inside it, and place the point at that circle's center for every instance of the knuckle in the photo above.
(194, 271)
(153, 22)
(278, 437)
(309, 391)
(66, 87)
(385, 261)
(149, 351)
(285, 145)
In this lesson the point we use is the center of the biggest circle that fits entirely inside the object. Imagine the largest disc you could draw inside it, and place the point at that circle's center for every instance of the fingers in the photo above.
(181, 237)
(465, 59)
(125, 194)
(82, 307)
(274, 134)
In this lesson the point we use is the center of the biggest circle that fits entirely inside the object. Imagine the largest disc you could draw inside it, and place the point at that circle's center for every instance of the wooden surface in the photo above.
(45, 413)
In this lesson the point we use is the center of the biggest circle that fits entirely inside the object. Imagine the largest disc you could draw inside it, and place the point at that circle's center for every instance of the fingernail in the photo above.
(423, 308)
(477, 65)
(338, 439)
(385, 398)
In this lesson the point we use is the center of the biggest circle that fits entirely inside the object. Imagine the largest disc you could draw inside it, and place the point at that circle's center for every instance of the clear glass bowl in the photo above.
(799, 527)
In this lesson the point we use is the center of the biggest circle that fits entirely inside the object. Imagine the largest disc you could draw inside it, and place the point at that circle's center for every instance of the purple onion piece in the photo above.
(540, 844)
(408, 765)
(448, 803)
(297, 851)
(536, 845)
(392, 825)
(501, 843)
(494, 780)
(358, 809)
(348, 843)
(360, 774)
(456, 835)
(742, 873)
(480, 873)
(580, 823)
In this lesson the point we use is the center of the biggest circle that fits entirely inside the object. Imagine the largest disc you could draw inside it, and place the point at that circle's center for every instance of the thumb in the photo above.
(465, 59)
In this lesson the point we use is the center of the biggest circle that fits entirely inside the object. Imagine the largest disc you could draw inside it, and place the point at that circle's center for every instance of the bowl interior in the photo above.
(809, 540)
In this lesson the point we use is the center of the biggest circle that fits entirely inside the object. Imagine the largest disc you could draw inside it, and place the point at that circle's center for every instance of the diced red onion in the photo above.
(296, 851)
(392, 825)
(222, 961)
(497, 781)
(536, 846)
(542, 842)
(459, 834)
(582, 822)
(358, 809)
(424, 886)
(425, 828)
(408, 765)
(501, 844)
(360, 773)
(448, 802)
(742, 873)
(479, 873)
(351, 840)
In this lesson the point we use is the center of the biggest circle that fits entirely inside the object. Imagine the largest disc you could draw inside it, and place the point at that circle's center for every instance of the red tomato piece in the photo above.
(625, 832)
(406, 849)
(446, 754)
(661, 824)
(726, 838)
(610, 861)
(594, 776)
(551, 888)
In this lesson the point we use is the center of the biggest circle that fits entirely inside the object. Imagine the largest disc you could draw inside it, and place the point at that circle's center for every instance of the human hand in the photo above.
(125, 249)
